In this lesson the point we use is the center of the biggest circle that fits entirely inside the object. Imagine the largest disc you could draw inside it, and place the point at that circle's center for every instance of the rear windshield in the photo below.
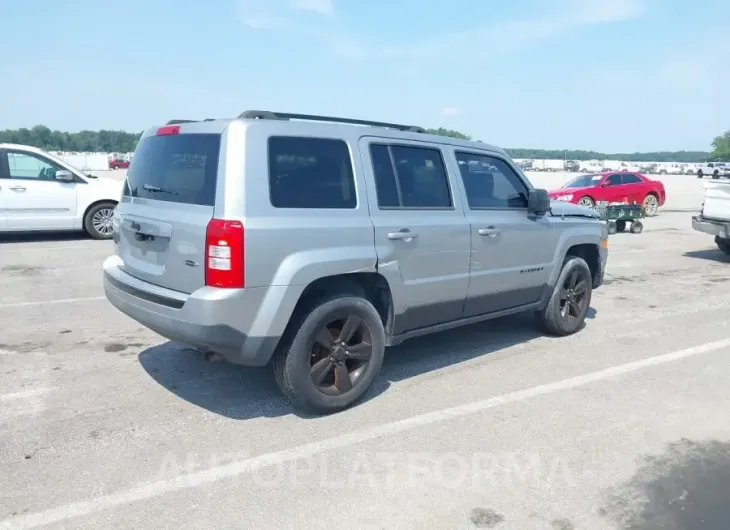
(175, 168)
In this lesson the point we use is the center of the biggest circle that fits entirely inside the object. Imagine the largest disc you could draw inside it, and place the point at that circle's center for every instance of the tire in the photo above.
(620, 226)
(612, 227)
(723, 244)
(587, 202)
(293, 362)
(636, 227)
(716, 175)
(97, 221)
(552, 318)
(699, 174)
(650, 205)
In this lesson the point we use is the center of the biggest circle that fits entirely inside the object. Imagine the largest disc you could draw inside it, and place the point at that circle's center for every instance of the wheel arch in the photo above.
(590, 253)
(372, 286)
(94, 204)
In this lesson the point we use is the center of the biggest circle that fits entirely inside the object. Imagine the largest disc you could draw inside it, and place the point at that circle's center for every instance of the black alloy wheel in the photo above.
(574, 297)
(341, 355)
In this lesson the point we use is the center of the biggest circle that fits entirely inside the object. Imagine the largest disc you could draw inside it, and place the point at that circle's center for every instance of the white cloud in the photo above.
(278, 14)
(511, 36)
(466, 46)
(322, 7)
(450, 111)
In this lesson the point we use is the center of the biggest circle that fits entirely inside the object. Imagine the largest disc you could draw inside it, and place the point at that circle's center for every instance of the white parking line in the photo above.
(25, 394)
(49, 302)
(23, 403)
(191, 480)
(24, 248)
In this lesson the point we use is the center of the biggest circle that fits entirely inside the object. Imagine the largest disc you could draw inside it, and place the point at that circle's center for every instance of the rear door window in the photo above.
(630, 178)
(175, 168)
(310, 173)
(410, 177)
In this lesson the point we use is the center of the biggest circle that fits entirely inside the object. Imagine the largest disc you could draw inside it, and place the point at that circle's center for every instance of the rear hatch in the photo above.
(167, 203)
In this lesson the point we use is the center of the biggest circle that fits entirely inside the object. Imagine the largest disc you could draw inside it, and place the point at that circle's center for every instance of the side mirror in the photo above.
(538, 202)
(64, 175)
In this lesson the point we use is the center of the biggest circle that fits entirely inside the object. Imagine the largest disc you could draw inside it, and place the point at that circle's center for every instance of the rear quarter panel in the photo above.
(290, 247)
(658, 188)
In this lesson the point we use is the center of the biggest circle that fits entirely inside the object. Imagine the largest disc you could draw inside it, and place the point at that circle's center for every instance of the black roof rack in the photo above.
(269, 115)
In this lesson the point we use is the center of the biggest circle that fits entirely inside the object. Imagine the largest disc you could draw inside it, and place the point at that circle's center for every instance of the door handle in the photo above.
(402, 234)
(17, 188)
(489, 231)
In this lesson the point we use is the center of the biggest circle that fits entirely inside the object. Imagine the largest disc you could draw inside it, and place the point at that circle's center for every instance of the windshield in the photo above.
(584, 181)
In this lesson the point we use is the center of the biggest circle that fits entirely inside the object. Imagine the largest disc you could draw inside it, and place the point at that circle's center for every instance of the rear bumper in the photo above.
(714, 228)
(240, 324)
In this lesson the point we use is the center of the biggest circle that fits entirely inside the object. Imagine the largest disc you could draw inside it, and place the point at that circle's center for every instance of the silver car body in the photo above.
(462, 265)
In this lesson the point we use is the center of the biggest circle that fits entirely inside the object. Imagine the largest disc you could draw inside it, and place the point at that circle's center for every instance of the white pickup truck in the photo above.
(714, 219)
(714, 169)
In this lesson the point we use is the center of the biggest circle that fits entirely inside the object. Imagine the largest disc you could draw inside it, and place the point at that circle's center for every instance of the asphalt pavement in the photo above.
(621, 426)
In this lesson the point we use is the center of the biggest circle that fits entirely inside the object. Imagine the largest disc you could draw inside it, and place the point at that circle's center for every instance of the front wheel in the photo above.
(587, 202)
(98, 220)
(568, 306)
(334, 355)
(723, 244)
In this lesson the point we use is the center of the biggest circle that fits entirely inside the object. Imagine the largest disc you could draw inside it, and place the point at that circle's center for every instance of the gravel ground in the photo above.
(623, 425)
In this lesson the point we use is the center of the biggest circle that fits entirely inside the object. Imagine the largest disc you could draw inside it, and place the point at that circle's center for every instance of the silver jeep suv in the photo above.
(313, 243)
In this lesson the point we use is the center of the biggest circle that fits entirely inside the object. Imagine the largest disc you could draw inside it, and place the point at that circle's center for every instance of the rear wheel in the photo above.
(612, 227)
(636, 227)
(334, 355)
(568, 306)
(651, 205)
(98, 220)
(716, 175)
(699, 174)
(723, 244)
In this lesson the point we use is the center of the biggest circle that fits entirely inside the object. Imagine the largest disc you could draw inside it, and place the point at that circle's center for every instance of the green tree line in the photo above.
(572, 154)
(122, 142)
(84, 141)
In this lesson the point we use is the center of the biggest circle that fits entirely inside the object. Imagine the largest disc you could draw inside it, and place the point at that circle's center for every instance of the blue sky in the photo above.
(609, 75)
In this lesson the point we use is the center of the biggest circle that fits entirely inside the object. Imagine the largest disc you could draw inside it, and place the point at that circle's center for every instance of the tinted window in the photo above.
(29, 166)
(385, 183)
(613, 180)
(410, 177)
(175, 168)
(630, 178)
(310, 173)
(490, 182)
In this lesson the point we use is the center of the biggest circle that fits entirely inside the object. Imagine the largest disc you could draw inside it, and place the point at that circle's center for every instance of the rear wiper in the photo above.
(150, 187)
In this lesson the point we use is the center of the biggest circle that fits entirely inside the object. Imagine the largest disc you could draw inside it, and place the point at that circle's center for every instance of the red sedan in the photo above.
(612, 186)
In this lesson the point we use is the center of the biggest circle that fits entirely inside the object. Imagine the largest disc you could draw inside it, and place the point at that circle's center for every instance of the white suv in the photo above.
(40, 192)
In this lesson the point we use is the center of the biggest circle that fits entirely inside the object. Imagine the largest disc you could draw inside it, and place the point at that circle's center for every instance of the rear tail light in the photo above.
(224, 263)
